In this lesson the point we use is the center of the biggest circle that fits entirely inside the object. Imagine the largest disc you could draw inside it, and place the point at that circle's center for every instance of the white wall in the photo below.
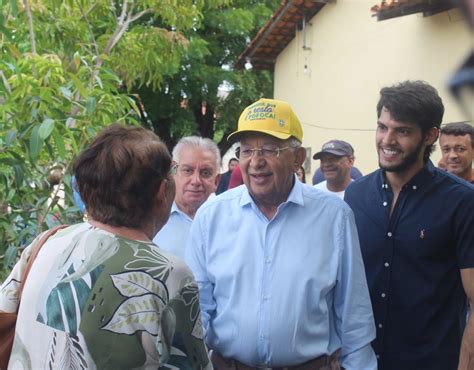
(352, 56)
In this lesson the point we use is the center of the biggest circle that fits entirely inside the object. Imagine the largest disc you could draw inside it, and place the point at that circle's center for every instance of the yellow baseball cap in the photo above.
(271, 117)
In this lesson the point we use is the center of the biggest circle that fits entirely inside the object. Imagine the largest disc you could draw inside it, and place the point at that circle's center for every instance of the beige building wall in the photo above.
(333, 86)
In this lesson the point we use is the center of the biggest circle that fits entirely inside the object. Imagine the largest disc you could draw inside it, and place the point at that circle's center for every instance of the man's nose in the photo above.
(389, 137)
(196, 177)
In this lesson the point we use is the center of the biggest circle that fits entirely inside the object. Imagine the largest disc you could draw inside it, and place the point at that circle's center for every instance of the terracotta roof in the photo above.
(278, 32)
(388, 9)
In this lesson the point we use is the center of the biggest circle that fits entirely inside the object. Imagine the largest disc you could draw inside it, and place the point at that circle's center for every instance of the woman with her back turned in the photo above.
(100, 294)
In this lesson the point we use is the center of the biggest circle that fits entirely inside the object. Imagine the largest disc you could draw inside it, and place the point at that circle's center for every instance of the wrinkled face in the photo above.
(268, 177)
(336, 168)
(457, 154)
(233, 164)
(400, 145)
(196, 177)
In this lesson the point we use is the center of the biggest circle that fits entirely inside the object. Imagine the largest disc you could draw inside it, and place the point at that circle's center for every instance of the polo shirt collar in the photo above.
(295, 196)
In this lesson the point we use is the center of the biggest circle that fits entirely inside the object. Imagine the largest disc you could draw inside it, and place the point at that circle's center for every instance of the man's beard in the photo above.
(407, 162)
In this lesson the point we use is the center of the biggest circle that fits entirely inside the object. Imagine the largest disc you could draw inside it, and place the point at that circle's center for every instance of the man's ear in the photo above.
(300, 156)
(217, 179)
(431, 136)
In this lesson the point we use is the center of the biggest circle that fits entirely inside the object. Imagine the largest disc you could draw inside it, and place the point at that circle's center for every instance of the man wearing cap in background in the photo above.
(337, 159)
(271, 295)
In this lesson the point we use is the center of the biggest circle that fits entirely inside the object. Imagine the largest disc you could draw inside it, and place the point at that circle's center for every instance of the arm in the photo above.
(196, 259)
(466, 359)
(354, 317)
(185, 314)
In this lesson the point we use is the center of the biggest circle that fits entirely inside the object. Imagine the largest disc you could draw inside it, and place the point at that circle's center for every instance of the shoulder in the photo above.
(363, 184)
(229, 198)
(320, 185)
(317, 198)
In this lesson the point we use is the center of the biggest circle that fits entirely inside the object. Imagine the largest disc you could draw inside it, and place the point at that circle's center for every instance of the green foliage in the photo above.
(214, 46)
(63, 80)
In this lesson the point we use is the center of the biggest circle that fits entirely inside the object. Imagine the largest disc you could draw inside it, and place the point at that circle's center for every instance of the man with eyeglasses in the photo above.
(278, 263)
(196, 163)
(337, 159)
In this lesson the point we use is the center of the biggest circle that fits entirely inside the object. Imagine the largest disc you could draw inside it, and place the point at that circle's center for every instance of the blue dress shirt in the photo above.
(412, 260)
(284, 291)
(174, 235)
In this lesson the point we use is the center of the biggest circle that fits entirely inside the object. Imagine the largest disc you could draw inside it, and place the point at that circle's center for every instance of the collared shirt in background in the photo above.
(412, 261)
(284, 291)
(174, 235)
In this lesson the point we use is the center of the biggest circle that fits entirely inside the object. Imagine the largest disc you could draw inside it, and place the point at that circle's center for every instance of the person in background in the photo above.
(196, 163)
(236, 178)
(416, 236)
(271, 295)
(89, 279)
(457, 148)
(319, 177)
(225, 177)
(337, 159)
(301, 174)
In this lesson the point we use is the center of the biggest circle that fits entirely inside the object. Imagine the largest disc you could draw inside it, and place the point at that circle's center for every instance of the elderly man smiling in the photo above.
(196, 161)
(272, 294)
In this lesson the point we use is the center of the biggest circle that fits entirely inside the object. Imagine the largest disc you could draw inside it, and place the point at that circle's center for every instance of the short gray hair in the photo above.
(198, 142)
(294, 142)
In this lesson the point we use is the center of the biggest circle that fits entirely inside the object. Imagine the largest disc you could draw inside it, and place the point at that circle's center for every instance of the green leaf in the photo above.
(60, 147)
(10, 137)
(78, 84)
(18, 175)
(66, 92)
(36, 142)
(90, 105)
(14, 7)
(46, 128)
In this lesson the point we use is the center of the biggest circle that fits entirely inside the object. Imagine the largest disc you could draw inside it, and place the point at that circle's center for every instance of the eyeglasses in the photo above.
(266, 152)
(188, 171)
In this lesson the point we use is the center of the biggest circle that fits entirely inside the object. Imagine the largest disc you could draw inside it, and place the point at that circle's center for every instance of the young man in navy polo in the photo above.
(416, 230)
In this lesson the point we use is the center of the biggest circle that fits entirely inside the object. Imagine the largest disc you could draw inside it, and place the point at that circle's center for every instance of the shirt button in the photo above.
(380, 326)
(268, 260)
(383, 295)
(384, 204)
(264, 297)
(389, 234)
(378, 356)
(414, 187)
(386, 264)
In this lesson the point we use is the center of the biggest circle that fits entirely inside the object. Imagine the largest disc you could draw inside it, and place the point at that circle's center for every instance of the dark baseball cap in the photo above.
(336, 147)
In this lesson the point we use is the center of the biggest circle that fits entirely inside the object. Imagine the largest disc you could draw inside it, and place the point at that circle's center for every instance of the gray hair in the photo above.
(197, 143)
(294, 142)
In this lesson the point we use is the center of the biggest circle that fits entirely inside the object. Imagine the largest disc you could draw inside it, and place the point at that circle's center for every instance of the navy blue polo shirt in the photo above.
(412, 261)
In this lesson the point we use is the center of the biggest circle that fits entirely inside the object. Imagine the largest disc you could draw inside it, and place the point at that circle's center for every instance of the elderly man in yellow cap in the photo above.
(278, 264)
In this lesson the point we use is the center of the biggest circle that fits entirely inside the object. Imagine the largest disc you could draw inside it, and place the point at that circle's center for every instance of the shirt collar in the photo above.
(422, 178)
(175, 209)
(295, 196)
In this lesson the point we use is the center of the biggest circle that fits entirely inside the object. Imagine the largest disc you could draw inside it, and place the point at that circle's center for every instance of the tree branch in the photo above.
(123, 13)
(139, 15)
(84, 16)
(30, 26)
